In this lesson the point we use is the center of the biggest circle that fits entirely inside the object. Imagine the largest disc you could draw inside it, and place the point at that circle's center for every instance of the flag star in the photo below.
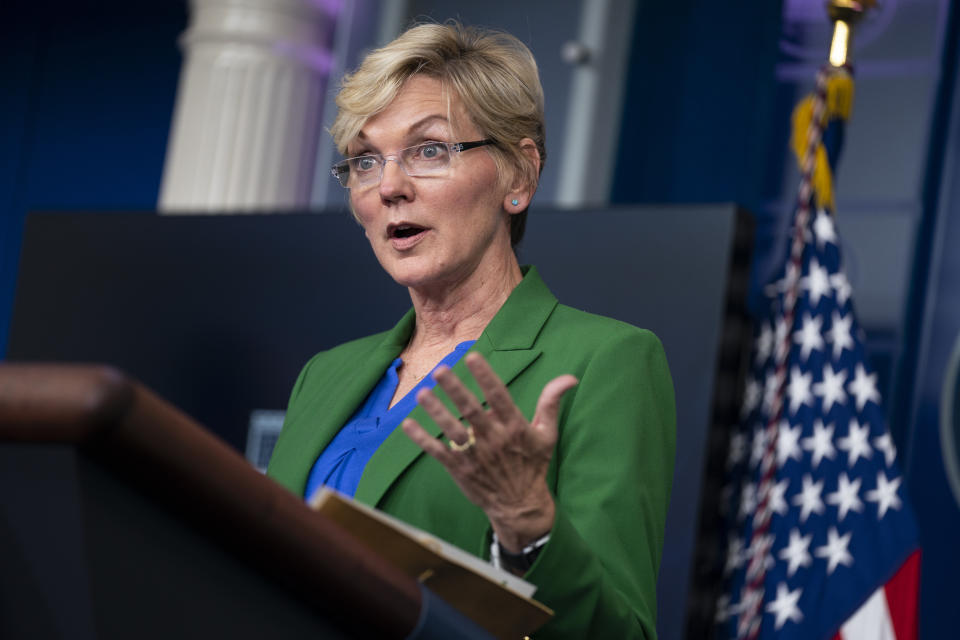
(797, 553)
(864, 387)
(790, 275)
(764, 343)
(759, 445)
(760, 548)
(885, 495)
(751, 396)
(841, 285)
(780, 338)
(788, 439)
(835, 551)
(750, 600)
(839, 334)
(777, 493)
(748, 499)
(770, 389)
(817, 282)
(846, 497)
(723, 609)
(809, 336)
(856, 443)
(738, 449)
(799, 389)
(734, 555)
(884, 443)
(831, 389)
(820, 444)
(824, 229)
(809, 498)
(785, 606)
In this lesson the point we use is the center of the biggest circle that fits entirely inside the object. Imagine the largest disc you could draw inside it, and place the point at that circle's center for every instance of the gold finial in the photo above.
(845, 14)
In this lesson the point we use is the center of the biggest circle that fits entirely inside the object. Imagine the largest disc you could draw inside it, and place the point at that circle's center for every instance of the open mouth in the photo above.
(405, 230)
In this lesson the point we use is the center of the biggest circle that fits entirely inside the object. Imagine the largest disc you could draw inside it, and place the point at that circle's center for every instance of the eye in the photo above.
(431, 151)
(364, 163)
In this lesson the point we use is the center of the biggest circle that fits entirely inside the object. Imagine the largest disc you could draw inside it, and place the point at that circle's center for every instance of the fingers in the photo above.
(425, 441)
(548, 405)
(504, 417)
(494, 391)
(447, 422)
(468, 405)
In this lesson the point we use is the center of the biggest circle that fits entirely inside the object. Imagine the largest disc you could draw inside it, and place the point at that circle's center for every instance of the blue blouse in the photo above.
(342, 463)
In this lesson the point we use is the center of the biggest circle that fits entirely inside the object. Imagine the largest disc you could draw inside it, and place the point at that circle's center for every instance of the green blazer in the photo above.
(611, 471)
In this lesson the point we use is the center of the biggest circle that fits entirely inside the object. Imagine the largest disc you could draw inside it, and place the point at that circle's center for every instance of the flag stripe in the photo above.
(891, 612)
(902, 590)
(871, 621)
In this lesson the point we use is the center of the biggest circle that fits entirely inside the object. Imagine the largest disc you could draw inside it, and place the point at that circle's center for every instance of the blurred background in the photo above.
(135, 107)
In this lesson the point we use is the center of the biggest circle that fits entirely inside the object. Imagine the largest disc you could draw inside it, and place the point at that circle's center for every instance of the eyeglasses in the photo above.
(427, 159)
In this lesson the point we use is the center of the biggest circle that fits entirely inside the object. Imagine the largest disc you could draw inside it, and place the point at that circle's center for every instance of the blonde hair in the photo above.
(492, 73)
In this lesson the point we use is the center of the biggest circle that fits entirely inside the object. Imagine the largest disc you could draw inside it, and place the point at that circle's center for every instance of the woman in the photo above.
(549, 445)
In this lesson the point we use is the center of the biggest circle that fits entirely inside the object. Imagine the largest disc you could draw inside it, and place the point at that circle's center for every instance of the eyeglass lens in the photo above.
(418, 160)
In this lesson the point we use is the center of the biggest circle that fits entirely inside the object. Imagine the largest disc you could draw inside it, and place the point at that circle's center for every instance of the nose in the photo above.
(395, 184)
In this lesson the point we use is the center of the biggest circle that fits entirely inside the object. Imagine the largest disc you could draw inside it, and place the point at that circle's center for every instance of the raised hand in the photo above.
(499, 460)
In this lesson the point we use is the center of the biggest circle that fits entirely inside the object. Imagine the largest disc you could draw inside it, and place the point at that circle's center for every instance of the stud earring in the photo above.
(514, 202)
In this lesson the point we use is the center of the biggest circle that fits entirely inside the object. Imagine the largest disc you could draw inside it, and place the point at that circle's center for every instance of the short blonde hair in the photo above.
(493, 74)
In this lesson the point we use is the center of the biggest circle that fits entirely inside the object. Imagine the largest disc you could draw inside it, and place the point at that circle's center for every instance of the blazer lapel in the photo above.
(508, 345)
(345, 388)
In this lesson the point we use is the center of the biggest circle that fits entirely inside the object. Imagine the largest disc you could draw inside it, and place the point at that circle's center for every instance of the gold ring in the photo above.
(471, 440)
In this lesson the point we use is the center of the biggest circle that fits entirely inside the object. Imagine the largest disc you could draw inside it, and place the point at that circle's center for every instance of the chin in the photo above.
(415, 272)
(415, 279)
(407, 273)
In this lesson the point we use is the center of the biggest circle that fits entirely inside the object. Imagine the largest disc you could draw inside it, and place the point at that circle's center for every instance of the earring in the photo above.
(514, 202)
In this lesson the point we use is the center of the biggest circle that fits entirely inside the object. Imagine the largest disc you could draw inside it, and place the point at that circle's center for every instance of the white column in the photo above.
(246, 122)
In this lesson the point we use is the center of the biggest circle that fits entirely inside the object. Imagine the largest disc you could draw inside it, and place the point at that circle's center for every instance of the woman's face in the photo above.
(431, 231)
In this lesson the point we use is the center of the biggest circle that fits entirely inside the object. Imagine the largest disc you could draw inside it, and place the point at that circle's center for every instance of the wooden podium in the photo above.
(120, 517)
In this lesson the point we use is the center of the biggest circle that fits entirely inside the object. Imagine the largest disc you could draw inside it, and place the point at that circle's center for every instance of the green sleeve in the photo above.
(299, 383)
(614, 470)
(284, 432)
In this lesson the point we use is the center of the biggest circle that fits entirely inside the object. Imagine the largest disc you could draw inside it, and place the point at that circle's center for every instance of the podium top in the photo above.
(159, 450)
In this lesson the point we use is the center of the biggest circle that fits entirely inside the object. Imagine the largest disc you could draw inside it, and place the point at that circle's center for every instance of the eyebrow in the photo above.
(419, 125)
(423, 123)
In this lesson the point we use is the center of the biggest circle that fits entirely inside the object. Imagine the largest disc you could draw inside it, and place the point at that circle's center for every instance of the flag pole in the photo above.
(844, 14)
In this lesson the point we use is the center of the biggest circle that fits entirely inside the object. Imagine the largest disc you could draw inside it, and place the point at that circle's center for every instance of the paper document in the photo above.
(497, 600)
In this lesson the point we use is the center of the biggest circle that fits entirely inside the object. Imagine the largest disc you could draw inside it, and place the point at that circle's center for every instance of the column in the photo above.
(246, 122)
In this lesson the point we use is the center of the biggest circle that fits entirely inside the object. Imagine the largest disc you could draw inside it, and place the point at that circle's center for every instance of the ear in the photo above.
(522, 189)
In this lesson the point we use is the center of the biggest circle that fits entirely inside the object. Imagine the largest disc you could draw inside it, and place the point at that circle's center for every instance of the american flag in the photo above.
(820, 540)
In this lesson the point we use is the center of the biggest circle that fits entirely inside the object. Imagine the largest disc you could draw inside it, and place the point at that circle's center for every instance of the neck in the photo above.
(461, 310)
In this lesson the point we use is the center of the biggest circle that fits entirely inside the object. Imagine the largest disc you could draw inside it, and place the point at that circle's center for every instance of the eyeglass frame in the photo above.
(452, 147)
